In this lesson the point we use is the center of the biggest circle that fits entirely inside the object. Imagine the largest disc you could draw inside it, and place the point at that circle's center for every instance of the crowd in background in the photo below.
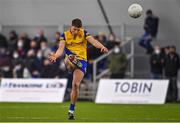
(27, 57)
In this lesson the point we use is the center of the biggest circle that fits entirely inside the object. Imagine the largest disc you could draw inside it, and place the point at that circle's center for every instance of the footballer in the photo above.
(74, 43)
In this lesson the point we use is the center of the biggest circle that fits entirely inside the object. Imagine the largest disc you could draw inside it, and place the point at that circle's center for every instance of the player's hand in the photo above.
(52, 57)
(104, 50)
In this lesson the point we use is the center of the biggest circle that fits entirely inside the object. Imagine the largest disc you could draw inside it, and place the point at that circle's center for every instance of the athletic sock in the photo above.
(71, 108)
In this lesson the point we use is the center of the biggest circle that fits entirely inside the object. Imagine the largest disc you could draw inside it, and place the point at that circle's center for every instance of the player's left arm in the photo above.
(97, 44)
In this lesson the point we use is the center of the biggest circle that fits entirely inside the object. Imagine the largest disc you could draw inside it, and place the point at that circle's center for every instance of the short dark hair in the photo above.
(173, 47)
(149, 11)
(77, 23)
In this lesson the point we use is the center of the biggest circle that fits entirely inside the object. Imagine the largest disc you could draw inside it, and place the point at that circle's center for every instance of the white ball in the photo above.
(135, 10)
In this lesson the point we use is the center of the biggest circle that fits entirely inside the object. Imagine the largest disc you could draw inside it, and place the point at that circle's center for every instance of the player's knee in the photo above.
(75, 86)
(70, 66)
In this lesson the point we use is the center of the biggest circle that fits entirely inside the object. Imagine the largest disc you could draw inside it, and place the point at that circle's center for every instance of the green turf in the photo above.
(88, 111)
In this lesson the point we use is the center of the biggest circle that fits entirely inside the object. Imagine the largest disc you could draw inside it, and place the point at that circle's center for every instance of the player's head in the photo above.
(75, 26)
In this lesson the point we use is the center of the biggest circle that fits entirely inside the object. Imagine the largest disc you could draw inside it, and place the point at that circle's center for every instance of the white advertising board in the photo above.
(32, 90)
(135, 91)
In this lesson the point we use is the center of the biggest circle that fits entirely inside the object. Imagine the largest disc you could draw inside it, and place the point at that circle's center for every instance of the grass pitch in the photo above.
(88, 112)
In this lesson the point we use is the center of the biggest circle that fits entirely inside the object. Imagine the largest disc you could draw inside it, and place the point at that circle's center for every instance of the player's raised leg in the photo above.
(77, 77)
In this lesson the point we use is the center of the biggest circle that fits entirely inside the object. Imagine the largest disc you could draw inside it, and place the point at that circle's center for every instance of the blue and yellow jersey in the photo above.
(76, 45)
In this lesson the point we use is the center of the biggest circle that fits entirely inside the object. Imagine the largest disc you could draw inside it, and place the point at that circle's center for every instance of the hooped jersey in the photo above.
(76, 45)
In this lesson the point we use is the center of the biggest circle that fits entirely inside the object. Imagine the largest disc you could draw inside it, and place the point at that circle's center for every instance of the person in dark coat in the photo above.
(156, 62)
(171, 67)
(150, 31)
(3, 42)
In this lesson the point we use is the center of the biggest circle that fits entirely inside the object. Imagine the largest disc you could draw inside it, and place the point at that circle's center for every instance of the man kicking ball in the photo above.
(74, 42)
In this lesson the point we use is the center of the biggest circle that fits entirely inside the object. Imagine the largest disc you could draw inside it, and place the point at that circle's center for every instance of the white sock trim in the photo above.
(70, 111)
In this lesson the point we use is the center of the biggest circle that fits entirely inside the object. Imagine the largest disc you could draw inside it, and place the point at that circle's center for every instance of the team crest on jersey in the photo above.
(61, 38)
(80, 35)
(87, 34)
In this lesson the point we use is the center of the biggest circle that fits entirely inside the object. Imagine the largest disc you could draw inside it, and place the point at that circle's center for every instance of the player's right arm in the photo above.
(58, 53)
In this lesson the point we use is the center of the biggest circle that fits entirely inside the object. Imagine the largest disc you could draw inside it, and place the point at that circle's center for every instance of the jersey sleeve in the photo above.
(62, 37)
(86, 34)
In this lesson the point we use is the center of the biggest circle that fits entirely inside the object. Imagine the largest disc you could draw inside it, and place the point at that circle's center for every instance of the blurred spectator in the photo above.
(40, 58)
(20, 49)
(111, 42)
(57, 37)
(18, 70)
(151, 29)
(56, 41)
(47, 71)
(118, 63)
(91, 55)
(33, 46)
(39, 37)
(102, 38)
(5, 62)
(171, 67)
(3, 57)
(26, 73)
(26, 41)
(15, 58)
(12, 43)
(45, 49)
(165, 51)
(151, 24)
(62, 71)
(103, 63)
(32, 64)
(3, 42)
(156, 62)
(16, 63)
